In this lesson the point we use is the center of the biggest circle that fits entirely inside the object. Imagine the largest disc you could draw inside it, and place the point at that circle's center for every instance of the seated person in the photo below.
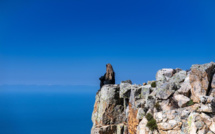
(109, 76)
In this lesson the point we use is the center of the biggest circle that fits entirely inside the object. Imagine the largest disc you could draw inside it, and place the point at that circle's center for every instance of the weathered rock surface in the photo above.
(178, 102)
(200, 80)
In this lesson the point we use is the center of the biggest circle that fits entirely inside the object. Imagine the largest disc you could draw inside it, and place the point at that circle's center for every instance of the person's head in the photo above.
(109, 72)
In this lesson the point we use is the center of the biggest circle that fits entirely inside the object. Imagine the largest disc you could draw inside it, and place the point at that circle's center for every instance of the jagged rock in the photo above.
(169, 125)
(120, 128)
(108, 108)
(200, 77)
(137, 91)
(209, 132)
(191, 123)
(206, 108)
(181, 100)
(199, 125)
(165, 105)
(125, 89)
(145, 91)
(185, 113)
(212, 127)
(212, 92)
(150, 102)
(132, 115)
(164, 75)
(110, 129)
(142, 128)
(140, 103)
(165, 90)
(178, 78)
(185, 87)
(140, 114)
(206, 119)
(122, 109)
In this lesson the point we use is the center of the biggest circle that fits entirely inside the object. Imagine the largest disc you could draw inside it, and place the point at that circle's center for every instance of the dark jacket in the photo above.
(105, 81)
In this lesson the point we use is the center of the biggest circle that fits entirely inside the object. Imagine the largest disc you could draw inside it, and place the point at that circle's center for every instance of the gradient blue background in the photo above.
(63, 46)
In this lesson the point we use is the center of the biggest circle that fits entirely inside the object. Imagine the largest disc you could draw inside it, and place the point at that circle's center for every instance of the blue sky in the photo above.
(46, 42)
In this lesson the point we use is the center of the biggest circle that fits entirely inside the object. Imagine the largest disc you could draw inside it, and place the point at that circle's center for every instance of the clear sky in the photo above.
(51, 42)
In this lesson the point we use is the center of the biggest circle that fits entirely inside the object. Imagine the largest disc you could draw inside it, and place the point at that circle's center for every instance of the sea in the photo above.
(51, 109)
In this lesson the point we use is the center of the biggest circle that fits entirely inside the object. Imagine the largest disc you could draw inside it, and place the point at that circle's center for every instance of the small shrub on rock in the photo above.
(149, 117)
(189, 103)
(157, 106)
(153, 84)
(151, 124)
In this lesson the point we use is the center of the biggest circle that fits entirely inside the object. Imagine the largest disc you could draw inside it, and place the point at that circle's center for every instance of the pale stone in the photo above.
(108, 108)
(142, 128)
(125, 89)
(212, 92)
(164, 74)
(200, 76)
(145, 91)
(206, 108)
(167, 125)
(140, 113)
(185, 87)
(181, 99)
(206, 119)
(158, 116)
(191, 123)
(165, 90)
(212, 127)
(178, 78)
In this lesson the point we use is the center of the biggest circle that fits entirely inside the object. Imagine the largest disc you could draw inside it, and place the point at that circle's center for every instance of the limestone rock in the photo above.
(185, 87)
(125, 89)
(132, 116)
(140, 114)
(207, 120)
(200, 77)
(122, 109)
(178, 78)
(212, 92)
(212, 127)
(164, 75)
(181, 99)
(165, 90)
(108, 108)
(145, 91)
(142, 128)
(206, 108)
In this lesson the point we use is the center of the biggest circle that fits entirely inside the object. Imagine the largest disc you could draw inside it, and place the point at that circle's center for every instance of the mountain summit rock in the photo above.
(177, 102)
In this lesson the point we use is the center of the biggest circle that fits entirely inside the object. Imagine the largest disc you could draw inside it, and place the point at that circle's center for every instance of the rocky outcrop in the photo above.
(177, 102)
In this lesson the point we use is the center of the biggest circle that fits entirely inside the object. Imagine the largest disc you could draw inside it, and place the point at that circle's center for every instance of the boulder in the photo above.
(207, 119)
(165, 90)
(145, 91)
(164, 75)
(185, 87)
(125, 89)
(108, 107)
(212, 92)
(178, 78)
(181, 100)
(200, 77)
(142, 128)
(212, 127)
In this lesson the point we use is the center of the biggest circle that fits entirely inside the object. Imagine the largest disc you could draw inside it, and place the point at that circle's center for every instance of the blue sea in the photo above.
(46, 109)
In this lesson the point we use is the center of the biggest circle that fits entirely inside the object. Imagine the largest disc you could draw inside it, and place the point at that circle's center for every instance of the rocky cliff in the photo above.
(177, 102)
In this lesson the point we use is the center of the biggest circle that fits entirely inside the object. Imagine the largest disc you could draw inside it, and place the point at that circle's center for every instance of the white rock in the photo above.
(212, 127)
(181, 99)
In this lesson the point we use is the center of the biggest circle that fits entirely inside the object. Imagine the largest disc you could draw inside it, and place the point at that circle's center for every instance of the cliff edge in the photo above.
(177, 102)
